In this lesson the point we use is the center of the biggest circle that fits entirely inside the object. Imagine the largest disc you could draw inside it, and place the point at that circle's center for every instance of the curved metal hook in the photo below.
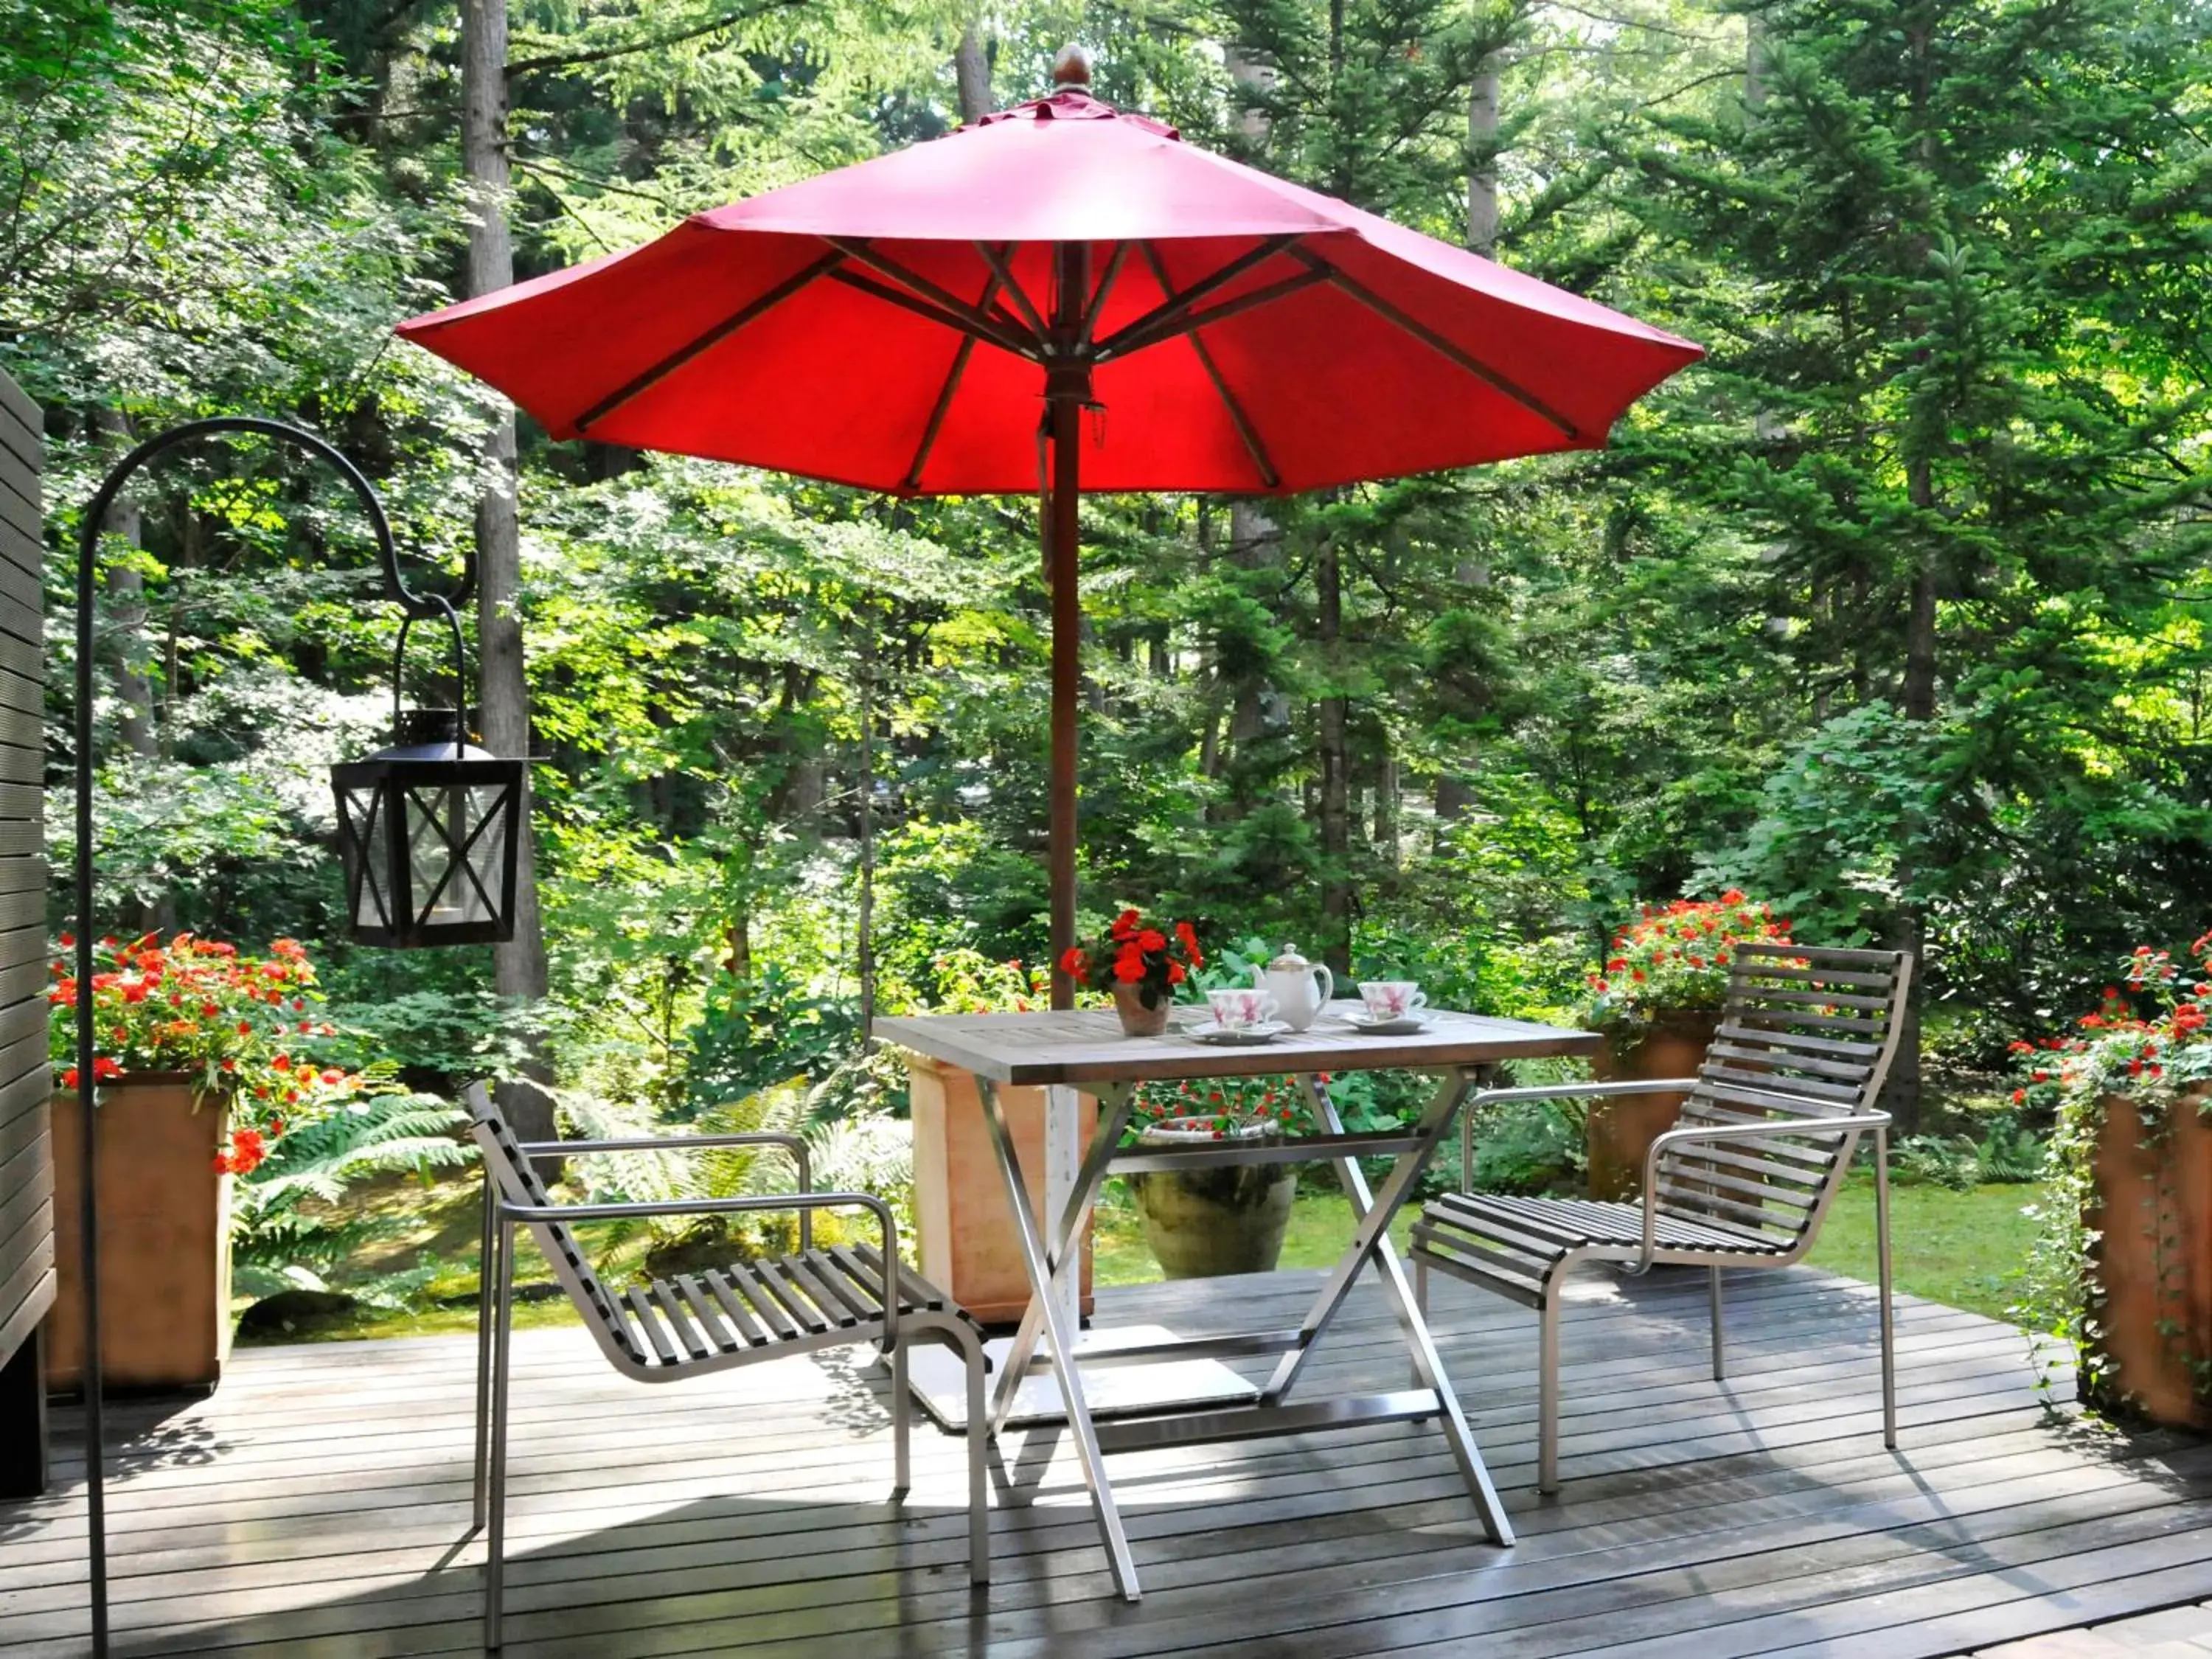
(418, 607)
(460, 671)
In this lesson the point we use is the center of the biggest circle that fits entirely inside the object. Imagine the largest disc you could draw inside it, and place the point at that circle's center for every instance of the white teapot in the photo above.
(1301, 988)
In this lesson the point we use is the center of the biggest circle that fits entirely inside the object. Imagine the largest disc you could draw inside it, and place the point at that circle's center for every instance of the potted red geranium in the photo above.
(1139, 963)
(1655, 1006)
(2123, 1268)
(203, 1064)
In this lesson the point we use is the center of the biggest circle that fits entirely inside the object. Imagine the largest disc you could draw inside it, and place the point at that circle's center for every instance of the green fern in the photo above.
(289, 1223)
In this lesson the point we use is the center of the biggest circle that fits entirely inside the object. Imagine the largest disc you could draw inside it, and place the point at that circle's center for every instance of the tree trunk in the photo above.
(1482, 158)
(1386, 808)
(866, 921)
(1335, 802)
(518, 966)
(971, 71)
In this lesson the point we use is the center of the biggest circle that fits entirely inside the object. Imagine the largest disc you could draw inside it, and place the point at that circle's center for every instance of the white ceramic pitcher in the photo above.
(1301, 988)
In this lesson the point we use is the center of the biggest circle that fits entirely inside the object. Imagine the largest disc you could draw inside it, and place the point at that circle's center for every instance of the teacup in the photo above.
(1392, 999)
(1241, 1008)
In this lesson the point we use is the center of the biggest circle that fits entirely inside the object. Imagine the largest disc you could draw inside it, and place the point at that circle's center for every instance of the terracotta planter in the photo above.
(1619, 1133)
(164, 1239)
(2153, 1261)
(1137, 1020)
(965, 1233)
(1203, 1223)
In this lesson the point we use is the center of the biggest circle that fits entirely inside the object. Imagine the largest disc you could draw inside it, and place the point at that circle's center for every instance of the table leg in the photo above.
(1373, 1214)
(1060, 1332)
(1080, 1194)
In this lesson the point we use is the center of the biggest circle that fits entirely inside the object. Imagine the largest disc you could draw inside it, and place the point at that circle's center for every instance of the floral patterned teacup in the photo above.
(1392, 999)
(1240, 1008)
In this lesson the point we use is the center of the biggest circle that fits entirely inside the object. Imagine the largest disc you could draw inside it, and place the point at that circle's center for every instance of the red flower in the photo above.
(105, 1067)
(1151, 939)
(281, 1063)
(69, 1078)
(1124, 924)
(245, 1029)
(1073, 964)
(1175, 975)
(1189, 935)
(1129, 969)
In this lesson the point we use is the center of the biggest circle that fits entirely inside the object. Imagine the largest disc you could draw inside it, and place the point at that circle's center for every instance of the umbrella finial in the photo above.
(1071, 67)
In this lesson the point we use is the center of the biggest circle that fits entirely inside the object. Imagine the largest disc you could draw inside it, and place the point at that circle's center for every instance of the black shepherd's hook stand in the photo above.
(417, 607)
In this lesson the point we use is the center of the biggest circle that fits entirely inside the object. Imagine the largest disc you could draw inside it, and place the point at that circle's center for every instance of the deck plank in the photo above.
(314, 1507)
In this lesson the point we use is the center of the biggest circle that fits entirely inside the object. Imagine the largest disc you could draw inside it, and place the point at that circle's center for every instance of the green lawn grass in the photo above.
(1951, 1246)
(1956, 1247)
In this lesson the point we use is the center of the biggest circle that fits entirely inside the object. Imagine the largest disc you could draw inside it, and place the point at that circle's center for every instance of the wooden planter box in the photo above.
(967, 1245)
(1618, 1132)
(2153, 1261)
(164, 1239)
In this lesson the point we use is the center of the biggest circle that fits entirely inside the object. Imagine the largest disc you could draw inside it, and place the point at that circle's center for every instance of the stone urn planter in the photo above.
(2151, 1347)
(164, 1237)
(1618, 1132)
(1226, 1219)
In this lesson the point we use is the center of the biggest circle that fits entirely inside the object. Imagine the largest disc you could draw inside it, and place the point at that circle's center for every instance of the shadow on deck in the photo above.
(316, 1507)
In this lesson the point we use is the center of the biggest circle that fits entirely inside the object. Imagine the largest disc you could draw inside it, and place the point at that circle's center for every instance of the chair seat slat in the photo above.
(741, 1317)
(866, 1278)
(668, 1300)
(770, 1312)
(798, 1280)
(834, 1281)
(920, 1290)
(709, 1318)
(1598, 1222)
(641, 1311)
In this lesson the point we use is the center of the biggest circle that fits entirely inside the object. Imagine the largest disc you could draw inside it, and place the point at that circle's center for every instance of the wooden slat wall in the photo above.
(27, 1216)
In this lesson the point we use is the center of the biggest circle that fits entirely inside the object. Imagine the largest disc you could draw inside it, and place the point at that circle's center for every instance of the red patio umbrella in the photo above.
(935, 320)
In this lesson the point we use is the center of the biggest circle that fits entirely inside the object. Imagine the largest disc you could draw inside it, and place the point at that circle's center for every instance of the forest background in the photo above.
(1892, 612)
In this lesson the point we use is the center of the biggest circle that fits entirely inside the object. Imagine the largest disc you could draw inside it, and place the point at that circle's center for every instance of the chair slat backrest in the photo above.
(1807, 1034)
(518, 1183)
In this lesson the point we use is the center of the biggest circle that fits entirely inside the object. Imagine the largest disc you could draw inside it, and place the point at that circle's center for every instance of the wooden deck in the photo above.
(315, 1508)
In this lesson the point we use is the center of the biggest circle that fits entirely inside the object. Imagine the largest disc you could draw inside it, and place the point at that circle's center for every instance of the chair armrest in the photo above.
(806, 1203)
(545, 1151)
(1664, 1085)
(536, 1151)
(1777, 1129)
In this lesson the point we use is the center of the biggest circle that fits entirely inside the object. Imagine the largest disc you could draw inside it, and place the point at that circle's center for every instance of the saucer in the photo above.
(1237, 1038)
(1404, 1026)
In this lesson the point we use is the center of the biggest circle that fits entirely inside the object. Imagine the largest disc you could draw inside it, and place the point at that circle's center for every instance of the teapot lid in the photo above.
(1289, 962)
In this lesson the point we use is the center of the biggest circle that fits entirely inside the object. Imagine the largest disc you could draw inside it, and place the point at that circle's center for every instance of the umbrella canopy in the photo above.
(902, 324)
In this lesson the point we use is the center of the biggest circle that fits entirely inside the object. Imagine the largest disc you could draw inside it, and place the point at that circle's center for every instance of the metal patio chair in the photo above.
(1742, 1180)
(702, 1321)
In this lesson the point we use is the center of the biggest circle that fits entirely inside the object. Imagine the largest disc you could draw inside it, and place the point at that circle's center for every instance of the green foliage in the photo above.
(294, 1220)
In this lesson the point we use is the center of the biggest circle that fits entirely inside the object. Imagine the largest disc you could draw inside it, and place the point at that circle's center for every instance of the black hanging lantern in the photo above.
(431, 828)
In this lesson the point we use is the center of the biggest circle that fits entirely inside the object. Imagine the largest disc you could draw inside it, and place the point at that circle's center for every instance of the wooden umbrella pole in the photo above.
(1067, 388)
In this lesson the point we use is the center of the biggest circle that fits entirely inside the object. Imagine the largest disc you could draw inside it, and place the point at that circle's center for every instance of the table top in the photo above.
(1086, 1045)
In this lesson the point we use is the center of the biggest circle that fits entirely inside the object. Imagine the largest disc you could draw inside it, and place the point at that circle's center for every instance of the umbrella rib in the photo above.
(930, 299)
(1227, 308)
(1177, 306)
(946, 394)
(1106, 287)
(1237, 415)
(1002, 272)
(1428, 336)
(746, 313)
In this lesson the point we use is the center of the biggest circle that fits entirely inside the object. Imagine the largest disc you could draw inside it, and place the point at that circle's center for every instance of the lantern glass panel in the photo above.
(368, 829)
